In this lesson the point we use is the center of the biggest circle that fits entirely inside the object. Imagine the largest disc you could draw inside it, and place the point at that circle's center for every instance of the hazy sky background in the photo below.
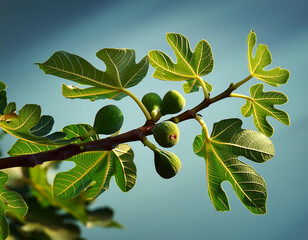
(179, 208)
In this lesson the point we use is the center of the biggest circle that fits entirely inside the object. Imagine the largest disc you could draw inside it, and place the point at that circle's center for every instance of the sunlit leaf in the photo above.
(10, 108)
(24, 126)
(72, 131)
(193, 86)
(124, 167)
(121, 72)
(262, 58)
(11, 202)
(261, 105)
(22, 147)
(190, 65)
(228, 141)
(93, 172)
(40, 186)
(92, 93)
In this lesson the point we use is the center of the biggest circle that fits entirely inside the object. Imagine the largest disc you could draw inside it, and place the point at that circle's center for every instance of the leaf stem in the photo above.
(240, 83)
(205, 91)
(204, 127)
(157, 116)
(139, 103)
(147, 143)
(88, 134)
(241, 96)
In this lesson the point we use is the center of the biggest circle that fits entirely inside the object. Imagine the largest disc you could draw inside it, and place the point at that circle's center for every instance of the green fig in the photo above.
(108, 120)
(173, 102)
(167, 164)
(166, 134)
(152, 102)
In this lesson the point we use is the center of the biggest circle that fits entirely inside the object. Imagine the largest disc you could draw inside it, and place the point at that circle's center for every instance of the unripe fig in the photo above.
(173, 102)
(166, 134)
(167, 164)
(108, 120)
(152, 102)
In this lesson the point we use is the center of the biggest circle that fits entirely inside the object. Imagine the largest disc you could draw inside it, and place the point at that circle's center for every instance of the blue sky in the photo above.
(179, 208)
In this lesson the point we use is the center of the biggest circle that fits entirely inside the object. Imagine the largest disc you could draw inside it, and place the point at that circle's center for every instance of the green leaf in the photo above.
(93, 172)
(43, 192)
(22, 147)
(40, 186)
(261, 105)
(124, 167)
(43, 127)
(11, 202)
(121, 72)
(3, 101)
(193, 86)
(221, 151)
(49, 222)
(92, 93)
(10, 108)
(102, 217)
(262, 58)
(190, 65)
(2, 86)
(28, 123)
(72, 131)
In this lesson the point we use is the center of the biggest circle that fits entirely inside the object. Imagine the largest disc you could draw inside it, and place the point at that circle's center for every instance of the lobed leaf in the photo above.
(72, 132)
(40, 186)
(11, 202)
(228, 141)
(93, 172)
(261, 104)
(121, 72)
(262, 58)
(30, 127)
(190, 65)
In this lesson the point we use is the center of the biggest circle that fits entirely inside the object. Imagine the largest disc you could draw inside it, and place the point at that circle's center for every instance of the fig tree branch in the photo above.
(109, 143)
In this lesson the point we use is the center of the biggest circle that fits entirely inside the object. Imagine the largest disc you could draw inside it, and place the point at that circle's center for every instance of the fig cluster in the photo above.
(152, 102)
(172, 102)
